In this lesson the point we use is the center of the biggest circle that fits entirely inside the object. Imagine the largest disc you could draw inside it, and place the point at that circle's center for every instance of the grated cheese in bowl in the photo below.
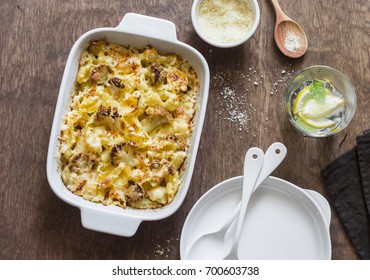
(225, 23)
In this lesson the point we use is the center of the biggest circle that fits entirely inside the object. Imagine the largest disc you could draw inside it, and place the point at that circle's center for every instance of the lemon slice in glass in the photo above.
(301, 99)
(313, 109)
(317, 123)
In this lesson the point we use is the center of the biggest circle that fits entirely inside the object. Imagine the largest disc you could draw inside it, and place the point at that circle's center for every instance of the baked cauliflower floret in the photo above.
(133, 191)
(81, 163)
(123, 153)
(100, 74)
(159, 112)
(158, 170)
(127, 194)
(106, 116)
(178, 80)
(117, 82)
(168, 141)
(158, 73)
(162, 167)
(157, 115)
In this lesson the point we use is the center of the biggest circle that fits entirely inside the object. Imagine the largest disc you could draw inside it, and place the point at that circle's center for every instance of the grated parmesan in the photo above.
(291, 42)
(225, 21)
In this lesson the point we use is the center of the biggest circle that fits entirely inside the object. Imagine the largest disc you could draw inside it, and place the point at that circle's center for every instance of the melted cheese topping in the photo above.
(125, 139)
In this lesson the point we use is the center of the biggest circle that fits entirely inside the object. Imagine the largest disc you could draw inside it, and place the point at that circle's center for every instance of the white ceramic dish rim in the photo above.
(317, 201)
(194, 18)
(138, 31)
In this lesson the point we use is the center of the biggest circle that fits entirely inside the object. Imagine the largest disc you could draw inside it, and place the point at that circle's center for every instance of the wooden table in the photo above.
(36, 37)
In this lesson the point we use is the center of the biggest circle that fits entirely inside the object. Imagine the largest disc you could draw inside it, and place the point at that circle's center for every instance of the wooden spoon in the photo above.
(289, 36)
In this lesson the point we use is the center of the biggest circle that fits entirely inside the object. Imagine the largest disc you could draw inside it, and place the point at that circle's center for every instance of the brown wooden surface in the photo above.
(36, 37)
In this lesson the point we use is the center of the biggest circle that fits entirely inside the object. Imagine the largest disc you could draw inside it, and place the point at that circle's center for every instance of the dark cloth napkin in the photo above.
(347, 182)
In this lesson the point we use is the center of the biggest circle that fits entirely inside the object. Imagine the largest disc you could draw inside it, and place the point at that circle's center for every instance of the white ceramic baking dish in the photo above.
(138, 31)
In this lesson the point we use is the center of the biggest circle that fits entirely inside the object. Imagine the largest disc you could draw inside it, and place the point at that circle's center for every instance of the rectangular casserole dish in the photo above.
(137, 31)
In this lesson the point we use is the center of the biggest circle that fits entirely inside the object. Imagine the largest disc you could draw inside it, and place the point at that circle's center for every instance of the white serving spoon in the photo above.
(252, 167)
(216, 239)
(274, 155)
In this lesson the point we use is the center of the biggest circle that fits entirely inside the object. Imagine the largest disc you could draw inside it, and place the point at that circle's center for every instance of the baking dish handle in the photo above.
(323, 203)
(109, 222)
(148, 26)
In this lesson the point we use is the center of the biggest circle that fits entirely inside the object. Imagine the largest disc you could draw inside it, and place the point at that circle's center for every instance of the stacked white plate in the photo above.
(283, 221)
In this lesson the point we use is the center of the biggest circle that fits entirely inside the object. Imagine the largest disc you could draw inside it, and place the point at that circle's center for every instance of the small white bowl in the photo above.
(244, 38)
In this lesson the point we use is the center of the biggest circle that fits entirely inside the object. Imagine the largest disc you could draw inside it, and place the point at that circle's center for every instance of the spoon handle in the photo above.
(274, 155)
(252, 167)
(280, 15)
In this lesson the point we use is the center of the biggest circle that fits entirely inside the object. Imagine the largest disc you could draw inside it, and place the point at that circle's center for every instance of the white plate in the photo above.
(283, 221)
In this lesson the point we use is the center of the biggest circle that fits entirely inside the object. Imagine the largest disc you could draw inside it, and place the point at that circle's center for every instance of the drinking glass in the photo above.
(337, 86)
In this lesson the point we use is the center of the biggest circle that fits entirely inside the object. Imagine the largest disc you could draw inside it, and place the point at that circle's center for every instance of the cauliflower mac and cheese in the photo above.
(125, 139)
